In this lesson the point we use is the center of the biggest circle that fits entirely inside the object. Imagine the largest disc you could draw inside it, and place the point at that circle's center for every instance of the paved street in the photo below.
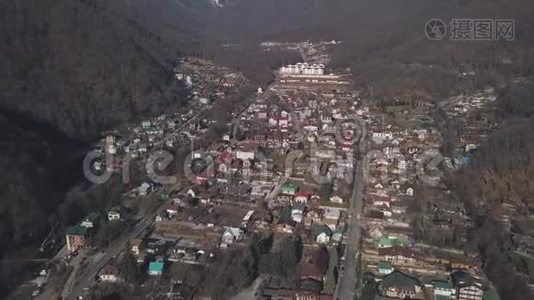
(86, 277)
(346, 287)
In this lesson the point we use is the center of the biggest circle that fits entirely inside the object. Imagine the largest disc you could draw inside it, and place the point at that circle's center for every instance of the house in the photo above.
(135, 246)
(109, 273)
(172, 209)
(314, 264)
(76, 237)
(336, 199)
(289, 188)
(391, 241)
(278, 288)
(246, 151)
(302, 196)
(91, 220)
(231, 235)
(381, 201)
(191, 193)
(297, 211)
(385, 268)
(467, 286)
(155, 268)
(144, 189)
(331, 216)
(321, 234)
(337, 235)
(309, 289)
(205, 176)
(114, 214)
(444, 290)
(398, 255)
(400, 285)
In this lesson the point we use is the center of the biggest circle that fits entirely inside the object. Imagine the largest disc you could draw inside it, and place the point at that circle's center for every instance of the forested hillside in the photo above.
(69, 69)
(501, 175)
(84, 65)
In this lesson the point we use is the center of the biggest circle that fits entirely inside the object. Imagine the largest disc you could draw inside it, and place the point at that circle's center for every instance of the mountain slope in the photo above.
(83, 65)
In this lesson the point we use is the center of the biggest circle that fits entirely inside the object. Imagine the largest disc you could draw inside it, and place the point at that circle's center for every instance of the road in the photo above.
(85, 277)
(79, 280)
(346, 287)
(237, 120)
(179, 128)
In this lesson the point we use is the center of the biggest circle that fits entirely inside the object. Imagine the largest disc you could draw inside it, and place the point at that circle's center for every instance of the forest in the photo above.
(501, 172)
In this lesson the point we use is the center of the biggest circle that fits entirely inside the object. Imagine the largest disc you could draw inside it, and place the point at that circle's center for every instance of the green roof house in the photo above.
(444, 289)
(385, 268)
(75, 237)
(400, 285)
(289, 188)
(391, 241)
(91, 220)
(77, 230)
(155, 268)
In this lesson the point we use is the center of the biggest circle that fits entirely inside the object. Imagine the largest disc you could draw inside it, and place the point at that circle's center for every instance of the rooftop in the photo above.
(76, 230)
(155, 266)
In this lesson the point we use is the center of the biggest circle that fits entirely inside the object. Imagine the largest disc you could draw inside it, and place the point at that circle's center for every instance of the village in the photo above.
(286, 167)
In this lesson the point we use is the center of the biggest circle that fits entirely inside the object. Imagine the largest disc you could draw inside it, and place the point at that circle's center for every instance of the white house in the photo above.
(231, 235)
(246, 151)
(336, 199)
(322, 238)
(109, 273)
(114, 215)
(297, 212)
(380, 201)
(144, 189)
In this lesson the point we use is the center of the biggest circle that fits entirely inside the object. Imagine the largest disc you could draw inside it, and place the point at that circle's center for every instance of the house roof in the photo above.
(303, 194)
(318, 229)
(109, 270)
(396, 251)
(289, 185)
(385, 265)
(463, 279)
(234, 231)
(76, 230)
(443, 284)
(93, 217)
(155, 266)
(247, 146)
(223, 157)
(136, 242)
(391, 241)
(314, 263)
(311, 286)
(375, 214)
(397, 279)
